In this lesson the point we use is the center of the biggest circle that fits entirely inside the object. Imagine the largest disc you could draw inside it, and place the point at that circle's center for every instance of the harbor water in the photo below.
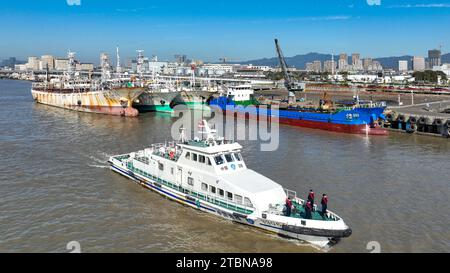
(56, 187)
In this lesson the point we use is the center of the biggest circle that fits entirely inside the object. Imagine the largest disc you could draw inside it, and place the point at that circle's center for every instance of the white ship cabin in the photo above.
(242, 92)
(211, 168)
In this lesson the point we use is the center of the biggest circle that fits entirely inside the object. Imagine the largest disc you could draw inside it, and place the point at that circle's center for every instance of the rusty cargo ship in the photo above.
(103, 98)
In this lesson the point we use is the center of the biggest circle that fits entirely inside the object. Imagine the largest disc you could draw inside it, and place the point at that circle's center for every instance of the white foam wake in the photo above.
(98, 166)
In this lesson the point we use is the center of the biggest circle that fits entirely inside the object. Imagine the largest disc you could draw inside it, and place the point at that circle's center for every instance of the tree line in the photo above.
(429, 76)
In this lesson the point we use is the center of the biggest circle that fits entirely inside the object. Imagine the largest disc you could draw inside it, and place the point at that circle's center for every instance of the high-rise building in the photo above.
(355, 58)
(367, 63)
(47, 60)
(418, 63)
(317, 66)
(343, 62)
(329, 66)
(10, 62)
(33, 63)
(402, 66)
(434, 57)
(61, 64)
(375, 66)
(180, 58)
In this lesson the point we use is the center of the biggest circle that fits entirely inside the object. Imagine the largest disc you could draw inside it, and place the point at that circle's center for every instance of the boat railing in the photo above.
(290, 193)
(171, 144)
(230, 204)
(372, 104)
(295, 199)
(165, 150)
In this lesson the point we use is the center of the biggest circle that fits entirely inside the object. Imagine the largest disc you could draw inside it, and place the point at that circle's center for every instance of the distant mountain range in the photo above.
(299, 61)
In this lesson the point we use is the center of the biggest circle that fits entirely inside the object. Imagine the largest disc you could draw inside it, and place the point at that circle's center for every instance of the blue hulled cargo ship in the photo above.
(359, 118)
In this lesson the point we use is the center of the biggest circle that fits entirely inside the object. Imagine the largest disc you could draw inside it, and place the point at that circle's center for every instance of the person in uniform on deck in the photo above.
(288, 206)
(308, 210)
(324, 204)
(311, 198)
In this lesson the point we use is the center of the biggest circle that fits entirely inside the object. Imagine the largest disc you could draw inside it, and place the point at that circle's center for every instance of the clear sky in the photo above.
(209, 30)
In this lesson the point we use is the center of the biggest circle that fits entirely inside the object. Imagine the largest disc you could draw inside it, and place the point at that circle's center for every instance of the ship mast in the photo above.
(118, 67)
(105, 65)
(140, 62)
(71, 67)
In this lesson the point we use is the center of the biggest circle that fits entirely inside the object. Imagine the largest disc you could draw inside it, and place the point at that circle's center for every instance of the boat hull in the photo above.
(155, 102)
(193, 99)
(335, 127)
(343, 122)
(99, 102)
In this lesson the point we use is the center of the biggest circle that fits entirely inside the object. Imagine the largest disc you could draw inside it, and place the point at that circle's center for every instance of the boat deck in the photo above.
(299, 212)
(166, 155)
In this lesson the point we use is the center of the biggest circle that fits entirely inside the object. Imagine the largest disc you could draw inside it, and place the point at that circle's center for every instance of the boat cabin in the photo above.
(212, 167)
(240, 92)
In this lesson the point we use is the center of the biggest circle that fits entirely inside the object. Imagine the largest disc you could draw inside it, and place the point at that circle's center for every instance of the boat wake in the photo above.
(99, 161)
(98, 166)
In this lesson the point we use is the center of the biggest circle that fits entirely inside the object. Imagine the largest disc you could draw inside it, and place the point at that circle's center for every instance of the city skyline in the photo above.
(210, 31)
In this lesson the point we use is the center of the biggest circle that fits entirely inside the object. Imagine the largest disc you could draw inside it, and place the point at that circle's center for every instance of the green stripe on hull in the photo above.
(192, 102)
(155, 108)
(247, 102)
(194, 105)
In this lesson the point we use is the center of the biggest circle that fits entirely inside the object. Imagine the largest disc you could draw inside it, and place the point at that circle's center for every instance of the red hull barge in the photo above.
(342, 128)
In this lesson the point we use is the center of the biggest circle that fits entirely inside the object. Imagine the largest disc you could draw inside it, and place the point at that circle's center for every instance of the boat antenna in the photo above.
(182, 135)
(47, 74)
(193, 75)
(118, 67)
(202, 115)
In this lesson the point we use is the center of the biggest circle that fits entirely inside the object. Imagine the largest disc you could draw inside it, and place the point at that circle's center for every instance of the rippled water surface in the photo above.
(55, 186)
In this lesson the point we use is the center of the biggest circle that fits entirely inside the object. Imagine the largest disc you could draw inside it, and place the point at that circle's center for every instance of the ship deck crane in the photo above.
(289, 83)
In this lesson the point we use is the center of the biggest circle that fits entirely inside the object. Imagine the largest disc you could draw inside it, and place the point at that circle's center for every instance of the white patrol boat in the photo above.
(210, 174)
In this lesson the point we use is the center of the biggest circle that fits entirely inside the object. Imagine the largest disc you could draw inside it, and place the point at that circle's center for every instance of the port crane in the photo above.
(289, 83)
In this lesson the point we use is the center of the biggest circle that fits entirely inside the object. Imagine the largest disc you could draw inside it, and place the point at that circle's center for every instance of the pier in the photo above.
(431, 118)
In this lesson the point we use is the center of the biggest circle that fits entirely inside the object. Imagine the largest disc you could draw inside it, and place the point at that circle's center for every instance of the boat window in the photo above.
(247, 202)
(208, 161)
(230, 196)
(219, 159)
(238, 156)
(161, 166)
(201, 158)
(204, 187)
(194, 157)
(212, 189)
(171, 170)
(238, 199)
(221, 192)
(190, 181)
(229, 158)
(188, 155)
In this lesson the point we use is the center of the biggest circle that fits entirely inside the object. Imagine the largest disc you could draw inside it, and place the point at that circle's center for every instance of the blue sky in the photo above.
(209, 30)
